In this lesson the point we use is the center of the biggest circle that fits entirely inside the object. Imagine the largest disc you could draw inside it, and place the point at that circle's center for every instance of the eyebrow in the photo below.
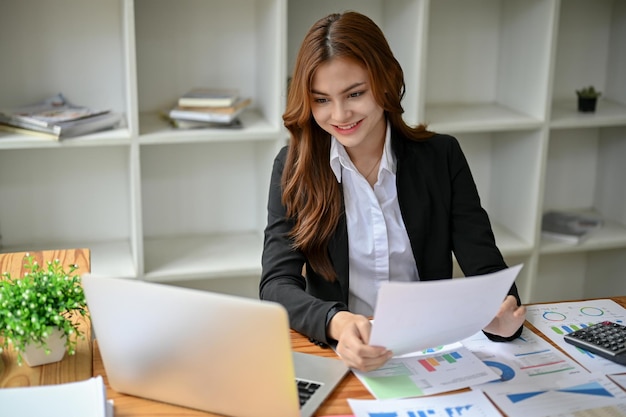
(353, 86)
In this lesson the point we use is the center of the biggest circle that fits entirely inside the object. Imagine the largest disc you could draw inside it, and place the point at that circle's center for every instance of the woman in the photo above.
(358, 197)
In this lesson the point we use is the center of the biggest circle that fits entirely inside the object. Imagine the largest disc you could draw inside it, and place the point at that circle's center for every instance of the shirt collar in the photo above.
(339, 157)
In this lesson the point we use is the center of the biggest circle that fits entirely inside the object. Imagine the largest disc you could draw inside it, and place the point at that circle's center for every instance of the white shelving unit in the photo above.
(188, 207)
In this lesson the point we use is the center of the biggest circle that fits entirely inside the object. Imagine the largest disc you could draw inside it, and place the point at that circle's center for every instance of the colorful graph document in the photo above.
(528, 359)
(413, 316)
(432, 371)
(593, 395)
(555, 320)
(465, 404)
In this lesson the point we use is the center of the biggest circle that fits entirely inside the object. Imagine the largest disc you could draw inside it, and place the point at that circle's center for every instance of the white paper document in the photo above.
(556, 320)
(592, 395)
(528, 359)
(433, 371)
(466, 404)
(73, 399)
(413, 316)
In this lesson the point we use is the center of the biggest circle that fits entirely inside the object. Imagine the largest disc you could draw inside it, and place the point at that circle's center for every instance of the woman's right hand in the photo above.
(352, 332)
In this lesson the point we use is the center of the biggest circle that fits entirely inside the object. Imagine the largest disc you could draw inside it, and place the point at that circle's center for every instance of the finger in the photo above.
(520, 315)
(510, 302)
(368, 361)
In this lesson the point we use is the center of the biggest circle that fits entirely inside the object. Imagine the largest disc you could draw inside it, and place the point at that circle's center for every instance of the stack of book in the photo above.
(56, 118)
(569, 226)
(208, 107)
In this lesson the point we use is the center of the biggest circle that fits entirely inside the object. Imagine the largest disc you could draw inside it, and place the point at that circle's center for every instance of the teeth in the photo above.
(347, 127)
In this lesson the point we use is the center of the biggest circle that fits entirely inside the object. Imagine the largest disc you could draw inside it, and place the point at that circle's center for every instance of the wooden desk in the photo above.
(336, 404)
(87, 362)
(72, 368)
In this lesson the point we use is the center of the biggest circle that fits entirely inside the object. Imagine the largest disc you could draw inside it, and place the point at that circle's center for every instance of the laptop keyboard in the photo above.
(306, 389)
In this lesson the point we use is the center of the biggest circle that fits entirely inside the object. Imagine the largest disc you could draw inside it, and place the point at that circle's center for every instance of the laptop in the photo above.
(208, 351)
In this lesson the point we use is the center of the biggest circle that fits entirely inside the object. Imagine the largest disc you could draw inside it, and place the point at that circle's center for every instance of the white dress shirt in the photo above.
(378, 245)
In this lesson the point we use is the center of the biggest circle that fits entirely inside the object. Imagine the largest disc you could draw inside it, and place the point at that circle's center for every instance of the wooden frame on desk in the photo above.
(87, 362)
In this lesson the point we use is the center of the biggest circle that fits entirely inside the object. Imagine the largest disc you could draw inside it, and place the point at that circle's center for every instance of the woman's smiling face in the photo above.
(344, 105)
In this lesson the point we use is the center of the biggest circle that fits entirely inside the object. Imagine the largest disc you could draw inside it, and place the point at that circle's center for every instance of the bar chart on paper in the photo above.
(431, 363)
(429, 372)
(556, 320)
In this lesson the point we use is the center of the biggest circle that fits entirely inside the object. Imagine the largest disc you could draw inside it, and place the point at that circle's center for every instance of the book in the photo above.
(194, 124)
(205, 96)
(238, 104)
(68, 129)
(47, 113)
(569, 226)
(206, 114)
(73, 399)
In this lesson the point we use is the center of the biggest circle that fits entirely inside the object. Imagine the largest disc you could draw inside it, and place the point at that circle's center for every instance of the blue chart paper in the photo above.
(465, 404)
(558, 319)
(567, 397)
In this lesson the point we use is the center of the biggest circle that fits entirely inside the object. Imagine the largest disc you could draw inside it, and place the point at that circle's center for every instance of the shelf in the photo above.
(65, 194)
(189, 207)
(154, 130)
(612, 235)
(505, 166)
(565, 115)
(227, 44)
(113, 137)
(590, 50)
(203, 257)
(479, 52)
(108, 259)
(487, 117)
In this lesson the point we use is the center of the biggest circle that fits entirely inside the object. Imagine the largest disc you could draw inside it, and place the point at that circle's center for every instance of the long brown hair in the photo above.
(311, 193)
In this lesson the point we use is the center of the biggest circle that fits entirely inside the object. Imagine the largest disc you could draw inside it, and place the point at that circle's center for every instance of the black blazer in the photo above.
(442, 213)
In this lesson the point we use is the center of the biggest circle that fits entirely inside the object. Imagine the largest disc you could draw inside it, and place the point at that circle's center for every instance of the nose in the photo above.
(341, 111)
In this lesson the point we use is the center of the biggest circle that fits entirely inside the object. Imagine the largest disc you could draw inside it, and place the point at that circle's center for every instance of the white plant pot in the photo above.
(35, 354)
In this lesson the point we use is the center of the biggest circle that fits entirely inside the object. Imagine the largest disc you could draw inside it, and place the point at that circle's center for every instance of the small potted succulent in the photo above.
(587, 99)
(40, 311)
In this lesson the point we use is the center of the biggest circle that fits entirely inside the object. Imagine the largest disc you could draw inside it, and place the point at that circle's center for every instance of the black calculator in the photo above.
(606, 339)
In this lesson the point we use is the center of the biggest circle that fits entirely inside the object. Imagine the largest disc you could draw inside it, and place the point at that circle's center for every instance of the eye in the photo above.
(320, 100)
(356, 94)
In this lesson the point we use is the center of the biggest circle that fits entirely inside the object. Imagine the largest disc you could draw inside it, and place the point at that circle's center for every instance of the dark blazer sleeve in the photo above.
(442, 212)
(473, 240)
(282, 279)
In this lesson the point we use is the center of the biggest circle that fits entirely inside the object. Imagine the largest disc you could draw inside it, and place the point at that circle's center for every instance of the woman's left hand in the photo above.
(509, 318)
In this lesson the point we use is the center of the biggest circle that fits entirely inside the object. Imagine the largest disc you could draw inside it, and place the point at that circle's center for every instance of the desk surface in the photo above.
(336, 404)
(88, 362)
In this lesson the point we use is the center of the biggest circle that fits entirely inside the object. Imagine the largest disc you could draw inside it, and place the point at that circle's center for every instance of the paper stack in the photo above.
(74, 399)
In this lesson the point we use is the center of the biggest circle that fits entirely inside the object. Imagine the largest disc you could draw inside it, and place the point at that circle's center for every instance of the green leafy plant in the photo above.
(43, 299)
(588, 92)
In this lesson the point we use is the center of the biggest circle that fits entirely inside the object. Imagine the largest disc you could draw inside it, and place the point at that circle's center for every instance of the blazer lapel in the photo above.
(338, 248)
(414, 201)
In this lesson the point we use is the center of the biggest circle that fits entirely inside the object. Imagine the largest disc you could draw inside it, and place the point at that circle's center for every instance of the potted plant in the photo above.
(587, 99)
(41, 310)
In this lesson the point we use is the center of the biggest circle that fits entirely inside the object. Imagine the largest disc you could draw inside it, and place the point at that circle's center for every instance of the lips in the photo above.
(349, 127)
